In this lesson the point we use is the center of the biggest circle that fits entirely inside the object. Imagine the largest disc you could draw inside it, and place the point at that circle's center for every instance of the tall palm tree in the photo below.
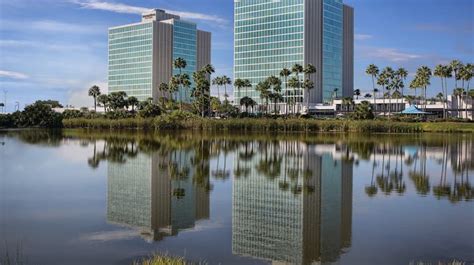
(383, 81)
(415, 84)
(132, 101)
(185, 82)
(456, 66)
(424, 74)
(389, 74)
(94, 92)
(395, 85)
(217, 81)
(309, 70)
(294, 83)
(226, 81)
(308, 85)
(180, 64)
(275, 87)
(402, 73)
(285, 73)
(443, 72)
(373, 71)
(173, 86)
(297, 69)
(458, 93)
(264, 89)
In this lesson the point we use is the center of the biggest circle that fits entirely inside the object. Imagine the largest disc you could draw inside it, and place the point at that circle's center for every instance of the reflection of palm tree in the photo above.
(443, 189)
(371, 190)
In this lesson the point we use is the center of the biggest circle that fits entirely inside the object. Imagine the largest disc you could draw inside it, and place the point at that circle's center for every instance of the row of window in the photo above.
(129, 66)
(137, 37)
(130, 44)
(130, 60)
(266, 66)
(130, 28)
(269, 59)
(129, 76)
(275, 52)
(130, 55)
(278, 22)
(131, 49)
(257, 21)
(268, 33)
(268, 12)
(130, 82)
(278, 38)
(276, 45)
(245, 6)
(137, 70)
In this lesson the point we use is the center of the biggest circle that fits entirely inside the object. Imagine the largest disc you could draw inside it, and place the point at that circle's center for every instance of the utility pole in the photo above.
(17, 105)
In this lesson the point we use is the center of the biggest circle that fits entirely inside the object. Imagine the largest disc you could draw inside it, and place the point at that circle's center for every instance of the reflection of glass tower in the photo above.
(275, 224)
(144, 194)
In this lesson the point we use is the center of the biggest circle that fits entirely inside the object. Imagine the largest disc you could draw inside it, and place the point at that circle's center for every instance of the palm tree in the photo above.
(309, 70)
(94, 92)
(173, 86)
(103, 100)
(367, 95)
(440, 71)
(335, 92)
(275, 87)
(226, 81)
(180, 64)
(132, 101)
(308, 85)
(395, 85)
(209, 70)
(294, 83)
(264, 89)
(456, 66)
(217, 81)
(458, 93)
(424, 74)
(402, 73)
(285, 72)
(297, 69)
(383, 81)
(373, 71)
(247, 102)
(185, 82)
(415, 84)
(357, 93)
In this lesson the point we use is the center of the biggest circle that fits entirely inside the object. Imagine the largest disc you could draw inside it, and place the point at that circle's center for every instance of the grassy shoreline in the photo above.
(268, 125)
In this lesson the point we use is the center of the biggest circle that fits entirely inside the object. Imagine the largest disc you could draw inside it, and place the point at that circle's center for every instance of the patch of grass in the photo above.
(164, 260)
(190, 122)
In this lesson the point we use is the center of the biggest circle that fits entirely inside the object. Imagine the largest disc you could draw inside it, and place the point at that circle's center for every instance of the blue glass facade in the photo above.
(332, 47)
(130, 60)
(184, 46)
(269, 36)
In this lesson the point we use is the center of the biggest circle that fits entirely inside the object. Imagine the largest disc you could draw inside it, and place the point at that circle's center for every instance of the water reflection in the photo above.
(292, 195)
(294, 206)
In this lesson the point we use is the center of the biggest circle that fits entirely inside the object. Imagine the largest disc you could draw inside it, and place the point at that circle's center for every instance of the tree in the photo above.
(39, 115)
(226, 81)
(368, 95)
(396, 85)
(242, 83)
(117, 100)
(94, 92)
(2, 105)
(293, 83)
(217, 81)
(285, 73)
(424, 75)
(389, 75)
(275, 87)
(150, 110)
(470, 93)
(456, 66)
(133, 102)
(103, 100)
(357, 93)
(201, 91)
(373, 71)
(363, 111)
(247, 102)
(215, 104)
(459, 93)
(347, 102)
(308, 70)
(402, 73)
(465, 74)
(180, 64)
(297, 69)
(264, 89)
(415, 84)
(335, 90)
(173, 86)
(208, 69)
(185, 82)
(52, 103)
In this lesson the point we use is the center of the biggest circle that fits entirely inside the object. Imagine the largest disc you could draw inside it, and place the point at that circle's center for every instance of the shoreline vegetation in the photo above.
(185, 122)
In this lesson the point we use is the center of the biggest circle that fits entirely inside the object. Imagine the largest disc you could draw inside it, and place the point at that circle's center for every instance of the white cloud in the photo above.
(13, 75)
(388, 54)
(362, 36)
(123, 8)
(21, 44)
(52, 26)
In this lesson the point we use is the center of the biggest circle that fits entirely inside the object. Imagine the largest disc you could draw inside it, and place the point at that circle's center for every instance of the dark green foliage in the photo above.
(119, 114)
(37, 115)
(51, 103)
(72, 114)
(7, 121)
(363, 111)
(149, 111)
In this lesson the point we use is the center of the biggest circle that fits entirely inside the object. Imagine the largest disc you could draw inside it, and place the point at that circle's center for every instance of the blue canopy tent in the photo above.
(413, 110)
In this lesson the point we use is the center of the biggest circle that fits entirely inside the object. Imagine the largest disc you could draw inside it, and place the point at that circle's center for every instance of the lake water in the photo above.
(98, 198)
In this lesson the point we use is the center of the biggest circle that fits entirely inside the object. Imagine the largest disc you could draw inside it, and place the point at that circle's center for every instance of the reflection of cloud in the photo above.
(109, 235)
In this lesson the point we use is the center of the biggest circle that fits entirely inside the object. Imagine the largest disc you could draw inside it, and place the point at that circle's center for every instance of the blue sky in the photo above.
(58, 48)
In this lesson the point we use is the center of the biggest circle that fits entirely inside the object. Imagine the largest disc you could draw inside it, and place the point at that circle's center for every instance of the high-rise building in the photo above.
(141, 55)
(271, 35)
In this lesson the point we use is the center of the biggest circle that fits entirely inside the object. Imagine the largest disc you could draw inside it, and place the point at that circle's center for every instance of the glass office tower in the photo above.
(271, 35)
(141, 55)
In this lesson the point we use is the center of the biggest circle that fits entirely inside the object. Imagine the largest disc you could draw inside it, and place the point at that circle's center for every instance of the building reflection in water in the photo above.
(156, 194)
(295, 204)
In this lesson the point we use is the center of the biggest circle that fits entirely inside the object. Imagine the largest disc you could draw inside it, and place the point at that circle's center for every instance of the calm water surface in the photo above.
(98, 198)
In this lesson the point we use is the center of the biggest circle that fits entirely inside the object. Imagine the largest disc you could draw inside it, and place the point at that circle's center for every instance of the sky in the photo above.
(57, 49)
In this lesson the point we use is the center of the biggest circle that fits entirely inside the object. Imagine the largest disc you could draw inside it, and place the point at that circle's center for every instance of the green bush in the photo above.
(38, 115)
(7, 121)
